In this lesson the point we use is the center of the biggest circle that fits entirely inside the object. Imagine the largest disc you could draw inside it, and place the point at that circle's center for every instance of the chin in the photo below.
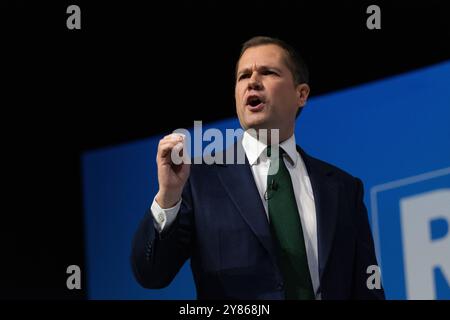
(256, 124)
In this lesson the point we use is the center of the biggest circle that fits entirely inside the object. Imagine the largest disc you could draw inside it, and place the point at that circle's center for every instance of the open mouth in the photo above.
(255, 102)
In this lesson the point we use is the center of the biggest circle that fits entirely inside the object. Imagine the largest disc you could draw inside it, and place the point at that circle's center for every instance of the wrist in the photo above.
(167, 200)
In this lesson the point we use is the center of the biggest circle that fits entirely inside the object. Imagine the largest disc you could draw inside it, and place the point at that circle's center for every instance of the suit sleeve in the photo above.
(364, 251)
(157, 257)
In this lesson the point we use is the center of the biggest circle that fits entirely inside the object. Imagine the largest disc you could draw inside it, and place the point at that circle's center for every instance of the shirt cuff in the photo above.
(163, 218)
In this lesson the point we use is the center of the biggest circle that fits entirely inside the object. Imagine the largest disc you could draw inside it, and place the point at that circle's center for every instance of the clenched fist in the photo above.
(171, 176)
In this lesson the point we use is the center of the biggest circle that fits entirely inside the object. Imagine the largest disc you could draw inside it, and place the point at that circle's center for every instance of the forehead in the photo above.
(267, 55)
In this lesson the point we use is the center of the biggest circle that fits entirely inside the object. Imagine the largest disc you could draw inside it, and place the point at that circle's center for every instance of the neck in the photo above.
(270, 136)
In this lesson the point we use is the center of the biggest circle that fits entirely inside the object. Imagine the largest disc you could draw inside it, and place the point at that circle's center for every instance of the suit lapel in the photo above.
(239, 183)
(326, 198)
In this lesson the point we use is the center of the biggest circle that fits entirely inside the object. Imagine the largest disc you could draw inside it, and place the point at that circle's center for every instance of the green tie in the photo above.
(287, 231)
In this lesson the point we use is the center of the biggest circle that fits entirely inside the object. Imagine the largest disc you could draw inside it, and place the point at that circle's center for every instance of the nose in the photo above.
(254, 82)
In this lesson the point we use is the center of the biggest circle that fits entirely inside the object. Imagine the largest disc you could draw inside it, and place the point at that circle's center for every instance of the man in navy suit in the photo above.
(228, 218)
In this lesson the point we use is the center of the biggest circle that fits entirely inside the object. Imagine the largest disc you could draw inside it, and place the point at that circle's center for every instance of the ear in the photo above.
(302, 94)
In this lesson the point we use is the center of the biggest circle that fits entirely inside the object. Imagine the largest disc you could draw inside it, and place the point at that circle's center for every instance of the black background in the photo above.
(137, 69)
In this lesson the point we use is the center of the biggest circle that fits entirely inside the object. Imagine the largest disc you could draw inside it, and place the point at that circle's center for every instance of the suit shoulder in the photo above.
(329, 169)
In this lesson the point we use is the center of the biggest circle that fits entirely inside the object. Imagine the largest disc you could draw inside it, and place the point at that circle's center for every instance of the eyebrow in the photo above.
(260, 68)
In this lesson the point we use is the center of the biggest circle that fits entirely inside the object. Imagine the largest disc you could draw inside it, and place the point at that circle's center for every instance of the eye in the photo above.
(268, 72)
(244, 76)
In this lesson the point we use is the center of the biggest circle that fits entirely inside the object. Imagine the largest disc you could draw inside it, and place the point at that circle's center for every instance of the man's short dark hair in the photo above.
(294, 61)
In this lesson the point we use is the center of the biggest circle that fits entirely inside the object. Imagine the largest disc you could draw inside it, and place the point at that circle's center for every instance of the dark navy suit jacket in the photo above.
(223, 228)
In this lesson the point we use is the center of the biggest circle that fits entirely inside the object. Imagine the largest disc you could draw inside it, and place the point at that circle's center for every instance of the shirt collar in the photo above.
(254, 148)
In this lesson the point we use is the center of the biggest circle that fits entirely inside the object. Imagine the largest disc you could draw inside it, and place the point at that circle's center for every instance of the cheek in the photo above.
(286, 96)
(238, 96)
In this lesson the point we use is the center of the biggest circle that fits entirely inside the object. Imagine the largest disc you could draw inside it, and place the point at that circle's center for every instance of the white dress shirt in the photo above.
(259, 163)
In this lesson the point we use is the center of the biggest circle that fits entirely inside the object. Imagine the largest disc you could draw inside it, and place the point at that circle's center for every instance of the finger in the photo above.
(166, 148)
(173, 137)
(176, 154)
(171, 141)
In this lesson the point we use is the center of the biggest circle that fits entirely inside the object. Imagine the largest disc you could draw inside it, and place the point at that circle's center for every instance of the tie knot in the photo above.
(270, 149)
